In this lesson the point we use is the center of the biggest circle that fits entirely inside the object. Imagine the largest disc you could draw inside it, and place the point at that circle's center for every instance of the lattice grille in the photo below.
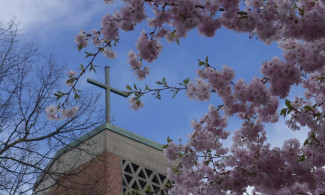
(137, 177)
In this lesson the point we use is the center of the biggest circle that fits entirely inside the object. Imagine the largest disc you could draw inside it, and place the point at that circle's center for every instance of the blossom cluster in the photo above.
(135, 104)
(281, 76)
(108, 53)
(70, 82)
(199, 90)
(271, 20)
(206, 165)
(247, 161)
(52, 112)
(137, 65)
(81, 39)
(148, 49)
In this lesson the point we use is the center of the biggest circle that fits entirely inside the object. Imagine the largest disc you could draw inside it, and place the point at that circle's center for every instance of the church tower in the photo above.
(106, 161)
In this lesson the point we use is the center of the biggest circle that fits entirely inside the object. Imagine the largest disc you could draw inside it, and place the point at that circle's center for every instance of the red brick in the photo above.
(101, 175)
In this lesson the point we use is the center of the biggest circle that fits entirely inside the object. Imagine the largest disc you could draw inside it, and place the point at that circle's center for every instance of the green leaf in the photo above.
(147, 189)
(165, 82)
(284, 112)
(76, 96)
(168, 139)
(186, 81)
(302, 158)
(159, 83)
(79, 47)
(135, 87)
(177, 41)
(313, 136)
(147, 88)
(175, 93)
(306, 142)
(58, 96)
(71, 80)
(288, 104)
(183, 16)
(308, 108)
(301, 11)
(167, 184)
(94, 69)
(165, 146)
(100, 48)
(158, 95)
(88, 54)
(173, 34)
(206, 59)
(201, 62)
(318, 114)
(128, 87)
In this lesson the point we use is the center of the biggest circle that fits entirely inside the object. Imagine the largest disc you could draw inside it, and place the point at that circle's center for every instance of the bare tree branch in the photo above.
(28, 140)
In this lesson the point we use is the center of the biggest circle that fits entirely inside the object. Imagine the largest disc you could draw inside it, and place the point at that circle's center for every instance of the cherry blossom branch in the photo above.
(138, 92)
(75, 80)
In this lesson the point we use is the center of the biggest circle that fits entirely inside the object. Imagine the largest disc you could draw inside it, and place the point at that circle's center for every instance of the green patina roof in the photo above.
(134, 136)
(105, 126)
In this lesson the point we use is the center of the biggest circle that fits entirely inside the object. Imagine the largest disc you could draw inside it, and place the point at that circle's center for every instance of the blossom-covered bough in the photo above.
(206, 165)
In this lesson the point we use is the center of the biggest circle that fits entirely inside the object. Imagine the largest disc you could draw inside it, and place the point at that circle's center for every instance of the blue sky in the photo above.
(52, 24)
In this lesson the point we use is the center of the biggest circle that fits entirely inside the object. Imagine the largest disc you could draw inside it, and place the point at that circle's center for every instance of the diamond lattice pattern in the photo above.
(137, 177)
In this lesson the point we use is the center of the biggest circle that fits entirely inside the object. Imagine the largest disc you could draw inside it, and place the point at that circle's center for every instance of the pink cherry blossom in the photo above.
(109, 54)
(142, 73)
(148, 49)
(51, 110)
(71, 73)
(108, 1)
(134, 103)
(70, 112)
(81, 39)
(206, 165)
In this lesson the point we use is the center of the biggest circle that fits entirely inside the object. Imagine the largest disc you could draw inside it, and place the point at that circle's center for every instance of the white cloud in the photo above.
(279, 132)
(52, 13)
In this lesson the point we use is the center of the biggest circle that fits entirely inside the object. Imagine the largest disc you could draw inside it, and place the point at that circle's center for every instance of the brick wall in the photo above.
(101, 175)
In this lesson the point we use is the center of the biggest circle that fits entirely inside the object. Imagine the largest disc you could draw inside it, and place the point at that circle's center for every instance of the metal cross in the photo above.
(108, 89)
